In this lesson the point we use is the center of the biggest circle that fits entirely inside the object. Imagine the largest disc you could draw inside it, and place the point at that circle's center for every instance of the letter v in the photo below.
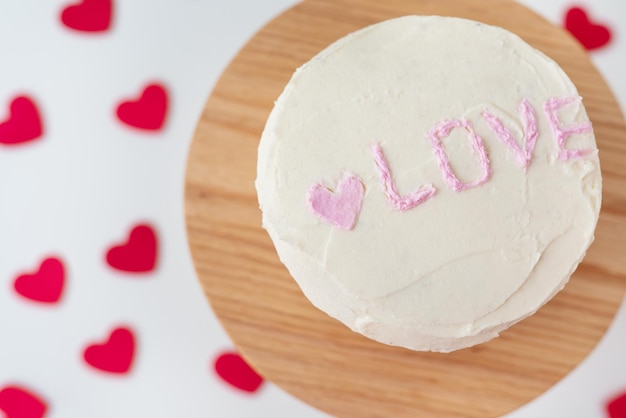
(402, 203)
(529, 118)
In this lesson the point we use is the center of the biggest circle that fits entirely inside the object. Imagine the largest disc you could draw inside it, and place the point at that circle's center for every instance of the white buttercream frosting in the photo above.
(462, 266)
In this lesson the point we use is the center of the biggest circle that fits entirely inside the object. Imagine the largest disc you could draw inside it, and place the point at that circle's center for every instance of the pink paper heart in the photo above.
(616, 407)
(147, 112)
(45, 285)
(138, 254)
(115, 355)
(590, 34)
(88, 15)
(19, 402)
(23, 124)
(340, 208)
(234, 370)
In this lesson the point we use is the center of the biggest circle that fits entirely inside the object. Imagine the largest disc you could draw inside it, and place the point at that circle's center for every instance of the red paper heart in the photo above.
(234, 370)
(617, 407)
(115, 355)
(23, 123)
(45, 285)
(148, 112)
(88, 16)
(18, 402)
(138, 254)
(590, 35)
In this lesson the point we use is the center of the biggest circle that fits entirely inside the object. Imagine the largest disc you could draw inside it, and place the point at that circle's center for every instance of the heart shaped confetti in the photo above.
(617, 407)
(148, 112)
(23, 124)
(235, 371)
(115, 355)
(45, 285)
(340, 208)
(138, 254)
(18, 402)
(590, 35)
(88, 16)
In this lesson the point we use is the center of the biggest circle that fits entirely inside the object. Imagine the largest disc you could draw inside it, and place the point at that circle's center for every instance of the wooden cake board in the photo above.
(313, 356)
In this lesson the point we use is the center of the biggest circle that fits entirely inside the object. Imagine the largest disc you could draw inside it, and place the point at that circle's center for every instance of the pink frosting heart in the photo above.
(340, 208)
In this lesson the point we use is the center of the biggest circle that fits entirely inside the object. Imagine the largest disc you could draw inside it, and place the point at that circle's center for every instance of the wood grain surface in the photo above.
(311, 355)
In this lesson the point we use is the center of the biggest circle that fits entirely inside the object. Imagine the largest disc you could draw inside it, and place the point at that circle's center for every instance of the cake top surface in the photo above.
(429, 181)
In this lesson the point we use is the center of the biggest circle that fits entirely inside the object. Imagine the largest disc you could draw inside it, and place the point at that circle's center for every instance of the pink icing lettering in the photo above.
(402, 203)
(551, 108)
(441, 131)
(529, 118)
(341, 208)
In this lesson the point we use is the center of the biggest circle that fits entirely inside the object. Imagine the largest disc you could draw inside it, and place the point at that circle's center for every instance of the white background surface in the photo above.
(79, 190)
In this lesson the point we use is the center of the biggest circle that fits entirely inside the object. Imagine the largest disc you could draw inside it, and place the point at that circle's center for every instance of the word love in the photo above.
(342, 207)
(523, 156)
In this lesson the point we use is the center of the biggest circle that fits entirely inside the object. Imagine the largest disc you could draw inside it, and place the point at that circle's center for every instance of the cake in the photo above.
(429, 181)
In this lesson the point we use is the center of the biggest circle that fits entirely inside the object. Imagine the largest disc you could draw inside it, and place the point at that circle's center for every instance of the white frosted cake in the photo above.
(429, 181)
